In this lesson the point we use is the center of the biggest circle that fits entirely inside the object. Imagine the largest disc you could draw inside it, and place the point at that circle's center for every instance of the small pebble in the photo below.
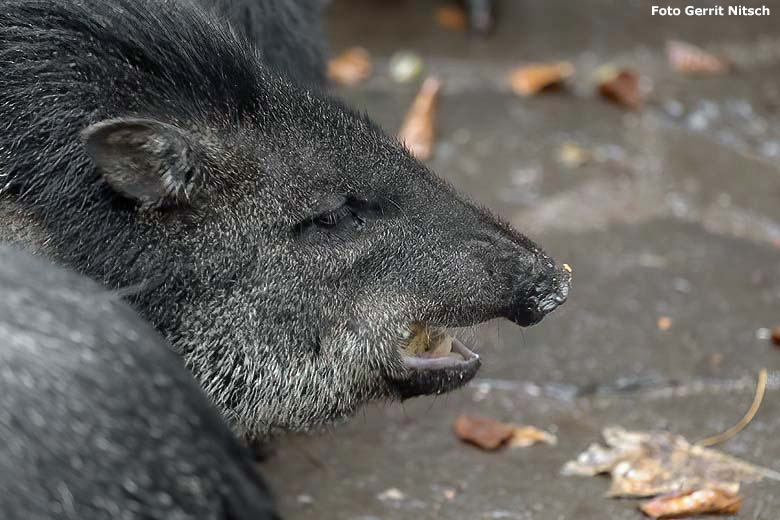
(763, 334)
(391, 494)
(405, 66)
(573, 155)
(305, 500)
(664, 323)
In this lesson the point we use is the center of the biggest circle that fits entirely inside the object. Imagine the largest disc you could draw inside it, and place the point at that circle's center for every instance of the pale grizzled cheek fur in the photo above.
(21, 227)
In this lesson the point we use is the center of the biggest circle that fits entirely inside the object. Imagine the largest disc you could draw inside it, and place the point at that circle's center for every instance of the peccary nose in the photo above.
(557, 296)
(549, 290)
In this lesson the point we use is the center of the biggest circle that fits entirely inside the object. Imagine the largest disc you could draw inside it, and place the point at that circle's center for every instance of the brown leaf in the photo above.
(698, 502)
(418, 129)
(491, 435)
(649, 464)
(690, 59)
(350, 67)
(622, 88)
(774, 335)
(524, 436)
(530, 79)
(452, 17)
(483, 433)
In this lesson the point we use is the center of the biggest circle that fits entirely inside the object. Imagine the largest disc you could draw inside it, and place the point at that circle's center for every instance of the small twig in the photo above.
(760, 389)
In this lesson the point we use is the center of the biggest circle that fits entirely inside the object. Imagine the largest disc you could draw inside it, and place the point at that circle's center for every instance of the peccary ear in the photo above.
(153, 163)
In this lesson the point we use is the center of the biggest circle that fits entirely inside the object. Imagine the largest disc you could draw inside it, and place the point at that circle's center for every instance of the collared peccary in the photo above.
(298, 258)
(99, 419)
(269, 24)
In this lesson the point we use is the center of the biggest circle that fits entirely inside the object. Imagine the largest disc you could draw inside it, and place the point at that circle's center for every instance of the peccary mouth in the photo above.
(435, 362)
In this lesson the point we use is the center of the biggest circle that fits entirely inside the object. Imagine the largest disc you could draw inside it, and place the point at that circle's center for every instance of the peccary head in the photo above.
(301, 261)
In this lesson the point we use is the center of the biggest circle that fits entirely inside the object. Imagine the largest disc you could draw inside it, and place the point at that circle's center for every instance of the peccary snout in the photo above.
(525, 282)
(538, 292)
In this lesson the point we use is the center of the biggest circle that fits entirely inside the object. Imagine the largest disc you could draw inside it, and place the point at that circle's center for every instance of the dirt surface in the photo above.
(678, 216)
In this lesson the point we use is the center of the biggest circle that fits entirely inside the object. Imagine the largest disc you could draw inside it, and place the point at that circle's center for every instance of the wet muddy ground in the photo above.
(678, 217)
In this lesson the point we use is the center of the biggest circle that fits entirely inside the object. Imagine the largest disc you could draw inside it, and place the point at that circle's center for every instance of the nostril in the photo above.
(549, 304)
(563, 291)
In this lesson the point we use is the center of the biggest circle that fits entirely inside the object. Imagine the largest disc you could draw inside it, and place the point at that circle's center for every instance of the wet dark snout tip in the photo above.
(551, 292)
(559, 290)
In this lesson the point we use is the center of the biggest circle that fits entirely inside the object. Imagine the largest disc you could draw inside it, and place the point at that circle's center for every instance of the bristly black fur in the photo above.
(113, 426)
(66, 64)
(200, 223)
(268, 23)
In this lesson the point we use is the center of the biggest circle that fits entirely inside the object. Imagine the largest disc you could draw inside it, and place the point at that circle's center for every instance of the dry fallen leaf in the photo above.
(452, 17)
(774, 335)
(483, 433)
(664, 323)
(621, 87)
(690, 59)
(698, 502)
(491, 435)
(524, 436)
(418, 129)
(530, 79)
(648, 464)
(350, 67)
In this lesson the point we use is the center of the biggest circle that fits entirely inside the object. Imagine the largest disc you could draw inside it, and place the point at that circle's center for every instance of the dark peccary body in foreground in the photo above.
(99, 419)
(268, 24)
(283, 244)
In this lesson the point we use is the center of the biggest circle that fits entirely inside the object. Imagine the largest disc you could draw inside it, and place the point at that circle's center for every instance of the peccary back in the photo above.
(268, 24)
(98, 418)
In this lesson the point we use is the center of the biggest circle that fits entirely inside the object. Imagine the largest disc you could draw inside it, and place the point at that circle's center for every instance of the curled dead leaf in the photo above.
(481, 432)
(653, 463)
(524, 436)
(530, 79)
(774, 335)
(690, 59)
(699, 502)
(489, 434)
(418, 129)
(351, 67)
(622, 88)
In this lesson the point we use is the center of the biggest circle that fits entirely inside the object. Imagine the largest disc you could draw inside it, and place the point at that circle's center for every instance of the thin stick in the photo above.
(760, 389)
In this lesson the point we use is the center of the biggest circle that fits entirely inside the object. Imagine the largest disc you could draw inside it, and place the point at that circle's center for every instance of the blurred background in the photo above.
(653, 169)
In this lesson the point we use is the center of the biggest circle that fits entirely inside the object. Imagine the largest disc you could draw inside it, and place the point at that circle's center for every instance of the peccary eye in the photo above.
(332, 218)
(342, 215)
